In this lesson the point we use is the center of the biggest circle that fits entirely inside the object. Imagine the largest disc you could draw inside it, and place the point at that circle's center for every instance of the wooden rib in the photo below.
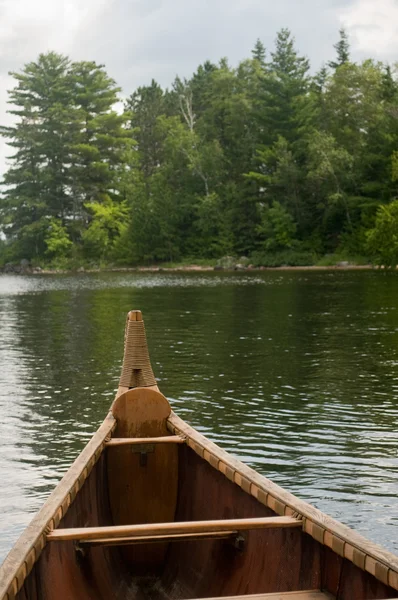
(178, 537)
(169, 439)
(87, 533)
(316, 523)
(299, 595)
(33, 539)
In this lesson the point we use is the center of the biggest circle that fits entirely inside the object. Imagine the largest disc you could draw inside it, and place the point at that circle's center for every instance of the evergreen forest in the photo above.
(266, 160)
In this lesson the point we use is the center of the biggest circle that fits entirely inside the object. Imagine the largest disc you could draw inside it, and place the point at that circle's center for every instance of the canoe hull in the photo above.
(114, 486)
(276, 560)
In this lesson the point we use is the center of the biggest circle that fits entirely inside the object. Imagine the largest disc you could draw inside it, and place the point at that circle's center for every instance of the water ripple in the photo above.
(296, 374)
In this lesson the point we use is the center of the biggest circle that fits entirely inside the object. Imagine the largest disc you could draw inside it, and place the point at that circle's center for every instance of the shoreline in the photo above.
(183, 268)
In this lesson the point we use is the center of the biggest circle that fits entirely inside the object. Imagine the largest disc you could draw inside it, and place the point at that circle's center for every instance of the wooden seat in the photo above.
(160, 531)
(301, 595)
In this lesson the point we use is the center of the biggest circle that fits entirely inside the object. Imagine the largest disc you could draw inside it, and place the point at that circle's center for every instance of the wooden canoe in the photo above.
(152, 510)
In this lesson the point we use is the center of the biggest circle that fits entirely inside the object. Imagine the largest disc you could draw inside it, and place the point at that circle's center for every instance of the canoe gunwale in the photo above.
(22, 557)
(343, 540)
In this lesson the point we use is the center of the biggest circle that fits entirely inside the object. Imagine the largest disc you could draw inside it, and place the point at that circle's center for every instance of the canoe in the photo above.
(153, 510)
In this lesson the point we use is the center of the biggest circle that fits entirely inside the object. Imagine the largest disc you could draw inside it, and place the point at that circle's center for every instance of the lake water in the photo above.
(296, 373)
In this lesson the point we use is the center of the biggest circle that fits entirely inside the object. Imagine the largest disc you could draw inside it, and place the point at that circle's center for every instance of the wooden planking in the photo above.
(169, 439)
(272, 560)
(300, 595)
(377, 561)
(356, 583)
(317, 531)
(177, 537)
(89, 533)
(61, 573)
(28, 548)
(142, 492)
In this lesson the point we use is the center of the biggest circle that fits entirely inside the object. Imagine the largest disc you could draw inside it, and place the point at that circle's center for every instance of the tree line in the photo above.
(265, 160)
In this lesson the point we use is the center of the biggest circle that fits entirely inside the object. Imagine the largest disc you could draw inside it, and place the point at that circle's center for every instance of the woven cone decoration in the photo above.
(136, 370)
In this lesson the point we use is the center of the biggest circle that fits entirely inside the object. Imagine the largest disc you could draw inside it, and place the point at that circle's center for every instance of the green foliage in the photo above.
(57, 240)
(342, 259)
(342, 49)
(69, 147)
(30, 241)
(288, 258)
(329, 175)
(280, 176)
(285, 109)
(277, 227)
(37, 179)
(383, 238)
(261, 157)
(212, 228)
(394, 165)
(106, 225)
(259, 52)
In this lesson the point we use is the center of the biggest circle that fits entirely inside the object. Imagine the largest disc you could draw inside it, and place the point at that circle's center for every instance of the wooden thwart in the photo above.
(151, 530)
(167, 439)
(301, 595)
(176, 537)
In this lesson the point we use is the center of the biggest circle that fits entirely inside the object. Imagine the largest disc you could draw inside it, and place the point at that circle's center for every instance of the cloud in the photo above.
(373, 27)
(28, 28)
(160, 38)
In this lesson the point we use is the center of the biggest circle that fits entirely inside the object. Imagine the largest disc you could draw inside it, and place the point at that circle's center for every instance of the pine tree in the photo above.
(144, 107)
(318, 88)
(285, 109)
(69, 145)
(102, 138)
(201, 87)
(319, 80)
(259, 53)
(343, 50)
(389, 85)
(38, 180)
(262, 156)
(285, 112)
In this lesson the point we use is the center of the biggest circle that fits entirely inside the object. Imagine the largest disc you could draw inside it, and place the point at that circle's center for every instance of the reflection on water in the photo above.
(294, 372)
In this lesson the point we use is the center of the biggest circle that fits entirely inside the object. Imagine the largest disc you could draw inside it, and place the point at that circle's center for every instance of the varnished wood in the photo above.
(28, 548)
(135, 315)
(174, 483)
(272, 560)
(122, 390)
(276, 496)
(177, 537)
(170, 439)
(300, 595)
(98, 533)
(137, 493)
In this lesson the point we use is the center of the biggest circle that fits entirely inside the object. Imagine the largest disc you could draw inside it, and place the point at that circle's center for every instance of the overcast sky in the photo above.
(139, 40)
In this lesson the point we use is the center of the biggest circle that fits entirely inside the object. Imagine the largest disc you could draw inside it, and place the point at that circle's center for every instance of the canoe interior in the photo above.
(125, 485)
(274, 560)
